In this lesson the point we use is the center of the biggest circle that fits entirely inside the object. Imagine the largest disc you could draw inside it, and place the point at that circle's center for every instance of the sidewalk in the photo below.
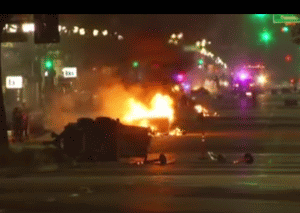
(32, 140)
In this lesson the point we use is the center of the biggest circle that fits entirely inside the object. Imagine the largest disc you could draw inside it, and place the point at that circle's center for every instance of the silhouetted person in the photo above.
(25, 119)
(17, 124)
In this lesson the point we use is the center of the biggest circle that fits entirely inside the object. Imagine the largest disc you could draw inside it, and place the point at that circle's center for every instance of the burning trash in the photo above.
(200, 109)
(176, 132)
(157, 117)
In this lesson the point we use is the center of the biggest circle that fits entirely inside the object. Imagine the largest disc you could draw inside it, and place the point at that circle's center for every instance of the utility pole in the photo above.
(4, 145)
(46, 32)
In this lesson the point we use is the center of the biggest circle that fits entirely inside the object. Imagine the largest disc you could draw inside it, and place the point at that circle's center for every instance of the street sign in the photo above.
(14, 82)
(286, 18)
(70, 72)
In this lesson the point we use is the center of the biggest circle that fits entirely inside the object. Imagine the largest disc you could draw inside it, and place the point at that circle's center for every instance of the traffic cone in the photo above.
(248, 158)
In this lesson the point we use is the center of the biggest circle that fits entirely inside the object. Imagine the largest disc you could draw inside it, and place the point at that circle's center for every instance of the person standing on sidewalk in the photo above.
(17, 124)
(25, 120)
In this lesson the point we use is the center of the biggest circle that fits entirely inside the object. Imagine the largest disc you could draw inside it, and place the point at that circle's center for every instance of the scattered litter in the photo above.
(86, 189)
(51, 199)
(74, 195)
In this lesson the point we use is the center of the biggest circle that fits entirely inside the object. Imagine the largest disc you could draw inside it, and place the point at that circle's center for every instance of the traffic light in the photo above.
(135, 64)
(49, 64)
(266, 36)
(49, 68)
(284, 29)
(288, 58)
(200, 61)
(261, 15)
(46, 28)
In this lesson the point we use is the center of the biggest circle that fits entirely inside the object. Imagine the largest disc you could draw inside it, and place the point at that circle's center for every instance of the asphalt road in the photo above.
(265, 140)
(186, 184)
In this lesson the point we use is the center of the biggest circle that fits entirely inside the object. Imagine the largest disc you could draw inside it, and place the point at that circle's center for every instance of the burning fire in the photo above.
(200, 109)
(161, 107)
(176, 132)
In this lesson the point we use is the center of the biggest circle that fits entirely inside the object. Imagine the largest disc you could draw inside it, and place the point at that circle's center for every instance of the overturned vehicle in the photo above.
(102, 139)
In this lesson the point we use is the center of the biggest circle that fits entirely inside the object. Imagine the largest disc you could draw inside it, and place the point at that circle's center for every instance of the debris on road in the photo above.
(248, 159)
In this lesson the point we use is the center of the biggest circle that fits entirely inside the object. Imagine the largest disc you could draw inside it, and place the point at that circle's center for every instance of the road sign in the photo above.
(286, 18)
(14, 82)
(70, 72)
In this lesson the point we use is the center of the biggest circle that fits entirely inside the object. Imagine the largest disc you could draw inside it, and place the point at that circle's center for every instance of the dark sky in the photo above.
(235, 38)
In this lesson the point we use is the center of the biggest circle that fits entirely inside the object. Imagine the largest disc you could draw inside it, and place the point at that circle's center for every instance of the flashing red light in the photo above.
(181, 77)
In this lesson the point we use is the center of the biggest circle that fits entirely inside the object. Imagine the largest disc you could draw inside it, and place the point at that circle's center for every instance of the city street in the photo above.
(271, 184)
(185, 184)
(150, 113)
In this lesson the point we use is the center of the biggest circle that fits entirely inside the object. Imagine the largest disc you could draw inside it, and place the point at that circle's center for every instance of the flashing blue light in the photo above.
(243, 76)
(186, 86)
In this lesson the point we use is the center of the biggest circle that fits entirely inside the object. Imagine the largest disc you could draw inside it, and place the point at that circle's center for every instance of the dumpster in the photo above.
(162, 124)
(70, 140)
(133, 141)
(104, 139)
(104, 144)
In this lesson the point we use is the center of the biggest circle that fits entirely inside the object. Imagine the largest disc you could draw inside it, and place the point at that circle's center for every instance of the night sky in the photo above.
(235, 38)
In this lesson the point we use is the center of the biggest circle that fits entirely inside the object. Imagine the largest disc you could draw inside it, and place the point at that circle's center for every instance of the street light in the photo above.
(175, 38)
(180, 35)
(95, 32)
(262, 79)
(104, 32)
(82, 31)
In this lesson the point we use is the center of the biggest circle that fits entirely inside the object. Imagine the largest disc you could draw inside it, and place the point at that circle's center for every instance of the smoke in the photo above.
(110, 98)
(114, 99)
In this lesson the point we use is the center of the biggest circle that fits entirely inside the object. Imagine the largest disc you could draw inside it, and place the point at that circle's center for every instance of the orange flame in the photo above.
(161, 107)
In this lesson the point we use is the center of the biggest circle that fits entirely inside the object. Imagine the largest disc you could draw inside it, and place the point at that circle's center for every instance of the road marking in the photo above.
(217, 169)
